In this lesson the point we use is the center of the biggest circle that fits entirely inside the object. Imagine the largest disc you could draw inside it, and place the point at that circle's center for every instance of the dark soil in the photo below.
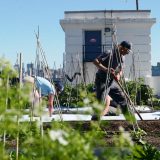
(152, 128)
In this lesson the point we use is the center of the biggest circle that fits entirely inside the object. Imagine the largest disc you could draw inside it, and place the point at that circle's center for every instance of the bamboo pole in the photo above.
(20, 84)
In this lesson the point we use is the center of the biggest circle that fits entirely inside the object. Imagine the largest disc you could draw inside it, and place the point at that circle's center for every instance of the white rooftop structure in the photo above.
(89, 33)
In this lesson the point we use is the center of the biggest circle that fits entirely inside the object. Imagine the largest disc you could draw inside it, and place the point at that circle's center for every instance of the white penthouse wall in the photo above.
(153, 82)
(131, 25)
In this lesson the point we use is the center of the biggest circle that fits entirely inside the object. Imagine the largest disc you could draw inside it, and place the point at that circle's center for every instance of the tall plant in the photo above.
(139, 91)
(58, 140)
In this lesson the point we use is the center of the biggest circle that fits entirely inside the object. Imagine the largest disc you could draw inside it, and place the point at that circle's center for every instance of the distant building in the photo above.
(30, 69)
(58, 74)
(156, 70)
(90, 33)
(54, 74)
(17, 68)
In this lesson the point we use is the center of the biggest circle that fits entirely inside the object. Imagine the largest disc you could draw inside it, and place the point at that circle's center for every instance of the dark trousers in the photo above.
(113, 90)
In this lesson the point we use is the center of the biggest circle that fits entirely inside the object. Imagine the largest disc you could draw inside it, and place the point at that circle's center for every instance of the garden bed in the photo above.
(152, 128)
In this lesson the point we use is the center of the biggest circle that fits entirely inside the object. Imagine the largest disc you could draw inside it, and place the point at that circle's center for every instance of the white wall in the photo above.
(134, 26)
(154, 82)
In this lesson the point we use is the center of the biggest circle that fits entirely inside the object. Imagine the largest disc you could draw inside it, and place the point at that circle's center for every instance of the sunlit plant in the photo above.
(27, 140)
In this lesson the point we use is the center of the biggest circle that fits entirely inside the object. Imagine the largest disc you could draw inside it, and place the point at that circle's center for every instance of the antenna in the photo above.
(137, 5)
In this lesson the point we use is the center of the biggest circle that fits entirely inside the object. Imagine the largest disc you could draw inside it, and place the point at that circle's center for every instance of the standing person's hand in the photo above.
(112, 71)
(115, 77)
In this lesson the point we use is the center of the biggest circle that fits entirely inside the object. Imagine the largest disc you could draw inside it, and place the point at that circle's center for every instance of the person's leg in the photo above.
(107, 98)
(107, 106)
(36, 102)
(118, 96)
(50, 104)
(99, 88)
(99, 91)
(113, 103)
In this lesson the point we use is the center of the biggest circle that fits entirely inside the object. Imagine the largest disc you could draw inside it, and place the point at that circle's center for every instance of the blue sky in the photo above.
(19, 20)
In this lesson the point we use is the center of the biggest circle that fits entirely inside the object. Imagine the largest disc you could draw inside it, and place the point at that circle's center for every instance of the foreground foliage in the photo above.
(36, 140)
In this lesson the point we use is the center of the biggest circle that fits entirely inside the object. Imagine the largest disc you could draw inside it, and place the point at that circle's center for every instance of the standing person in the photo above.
(109, 64)
(45, 88)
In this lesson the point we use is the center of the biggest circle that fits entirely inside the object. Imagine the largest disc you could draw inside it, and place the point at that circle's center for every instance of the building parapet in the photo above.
(107, 14)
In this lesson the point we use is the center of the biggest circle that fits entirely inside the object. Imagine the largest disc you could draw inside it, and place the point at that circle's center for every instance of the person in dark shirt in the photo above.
(109, 64)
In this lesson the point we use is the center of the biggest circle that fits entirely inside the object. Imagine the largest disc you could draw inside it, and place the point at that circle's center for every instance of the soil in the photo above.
(152, 128)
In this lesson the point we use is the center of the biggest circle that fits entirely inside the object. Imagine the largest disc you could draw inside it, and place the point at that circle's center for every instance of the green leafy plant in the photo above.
(34, 140)
(71, 96)
(139, 92)
(138, 135)
(146, 152)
